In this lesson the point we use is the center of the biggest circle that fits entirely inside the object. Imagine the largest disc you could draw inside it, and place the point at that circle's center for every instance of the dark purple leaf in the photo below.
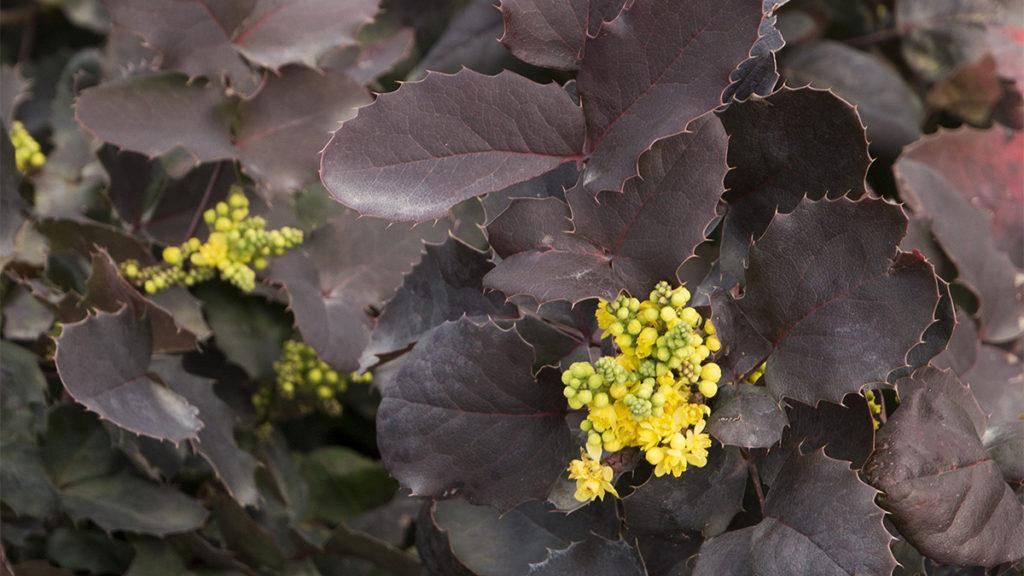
(964, 232)
(376, 58)
(826, 282)
(125, 502)
(189, 37)
(1005, 443)
(82, 237)
(216, 441)
(531, 224)
(628, 240)
(759, 74)
(121, 112)
(12, 207)
(280, 32)
(747, 416)
(702, 500)
(819, 519)
(416, 152)
(552, 33)
(594, 556)
(103, 362)
(790, 145)
(497, 435)
(946, 493)
(283, 128)
(446, 285)
(652, 71)
(553, 185)
(470, 41)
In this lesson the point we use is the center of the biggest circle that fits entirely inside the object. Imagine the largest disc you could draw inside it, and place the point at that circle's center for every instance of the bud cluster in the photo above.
(874, 407)
(28, 157)
(652, 394)
(237, 246)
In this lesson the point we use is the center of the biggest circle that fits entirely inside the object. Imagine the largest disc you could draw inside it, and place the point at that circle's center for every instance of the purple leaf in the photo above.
(747, 416)
(946, 493)
(759, 73)
(595, 556)
(374, 59)
(628, 240)
(551, 33)
(497, 435)
(103, 363)
(827, 282)
(652, 71)
(469, 41)
(416, 152)
(126, 502)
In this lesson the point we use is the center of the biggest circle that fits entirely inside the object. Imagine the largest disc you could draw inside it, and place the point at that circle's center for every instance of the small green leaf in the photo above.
(125, 502)
(343, 483)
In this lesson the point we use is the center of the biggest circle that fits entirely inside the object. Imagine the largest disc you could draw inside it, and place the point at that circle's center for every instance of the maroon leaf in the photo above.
(942, 192)
(375, 58)
(759, 73)
(652, 71)
(946, 493)
(531, 224)
(103, 363)
(747, 416)
(416, 152)
(496, 434)
(470, 41)
(189, 36)
(551, 33)
(280, 32)
(595, 556)
(826, 282)
(628, 240)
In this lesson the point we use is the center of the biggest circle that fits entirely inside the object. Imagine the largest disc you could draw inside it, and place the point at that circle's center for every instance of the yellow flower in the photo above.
(645, 342)
(593, 479)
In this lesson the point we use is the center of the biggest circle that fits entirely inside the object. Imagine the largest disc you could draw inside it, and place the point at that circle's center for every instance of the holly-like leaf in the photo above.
(946, 493)
(552, 33)
(747, 416)
(889, 107)
(445, 285)
(595, 556)
(121, 112)
(702, 500)
(498, 435)
(103, 361)
(376, 58)
(629, 240)
(815, 512)
(790, 145)
(470, 41)
(279, 32)
(190, 37)
(827, 282)
(284, 127)
(125, 502)
(942, 190)
(759, 73)
(216, 441)
(452, 144)
(652, 71)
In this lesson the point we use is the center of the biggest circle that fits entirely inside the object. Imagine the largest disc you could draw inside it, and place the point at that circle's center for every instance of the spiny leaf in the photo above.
(279, 32)
(759, 74)
(552, 33)
(469, 41)
(821, 518)
(628, 240)
(747, 416)
(103, 361)
(376, 58)
(498, 435)
(947, 495)
(445, 285)
(416, 152)
(652, 71)
(826, 281)
(595, 556)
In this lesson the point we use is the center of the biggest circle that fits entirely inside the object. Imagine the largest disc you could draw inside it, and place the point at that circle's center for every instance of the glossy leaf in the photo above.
(651, 72)
(759, 73)
(552, 33)
(629, 240)
(502, 444)
(104, 362)
(444, 286)
(747, 416)
(947, 496)
(830, 264)
(450, 145)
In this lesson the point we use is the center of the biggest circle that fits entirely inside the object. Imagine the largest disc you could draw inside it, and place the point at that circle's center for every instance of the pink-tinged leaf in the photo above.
(623, 241)
(653, 70)
(941, 186)
(103, 362)
(815, 509)
(759, 73)
(157, 114)
(374, 59)
(946, 494)
(283, 128)
(827, 282)
(280, 32)
(552, 33)
(416, 152)
(497, 435)
(189, 36)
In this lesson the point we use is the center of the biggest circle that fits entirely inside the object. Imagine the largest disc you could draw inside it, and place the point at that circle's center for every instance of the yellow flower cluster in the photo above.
(757, 374)
(652, 394)
(305, 384)
(874, 407)
(237, 246)
(28, 157)
(593, 479)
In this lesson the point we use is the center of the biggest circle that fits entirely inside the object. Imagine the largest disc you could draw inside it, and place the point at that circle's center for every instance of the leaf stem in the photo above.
(205, 200)
(756, 477)
(352, 543)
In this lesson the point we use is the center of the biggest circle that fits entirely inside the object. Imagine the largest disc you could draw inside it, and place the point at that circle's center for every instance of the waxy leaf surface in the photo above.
(552, 33)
